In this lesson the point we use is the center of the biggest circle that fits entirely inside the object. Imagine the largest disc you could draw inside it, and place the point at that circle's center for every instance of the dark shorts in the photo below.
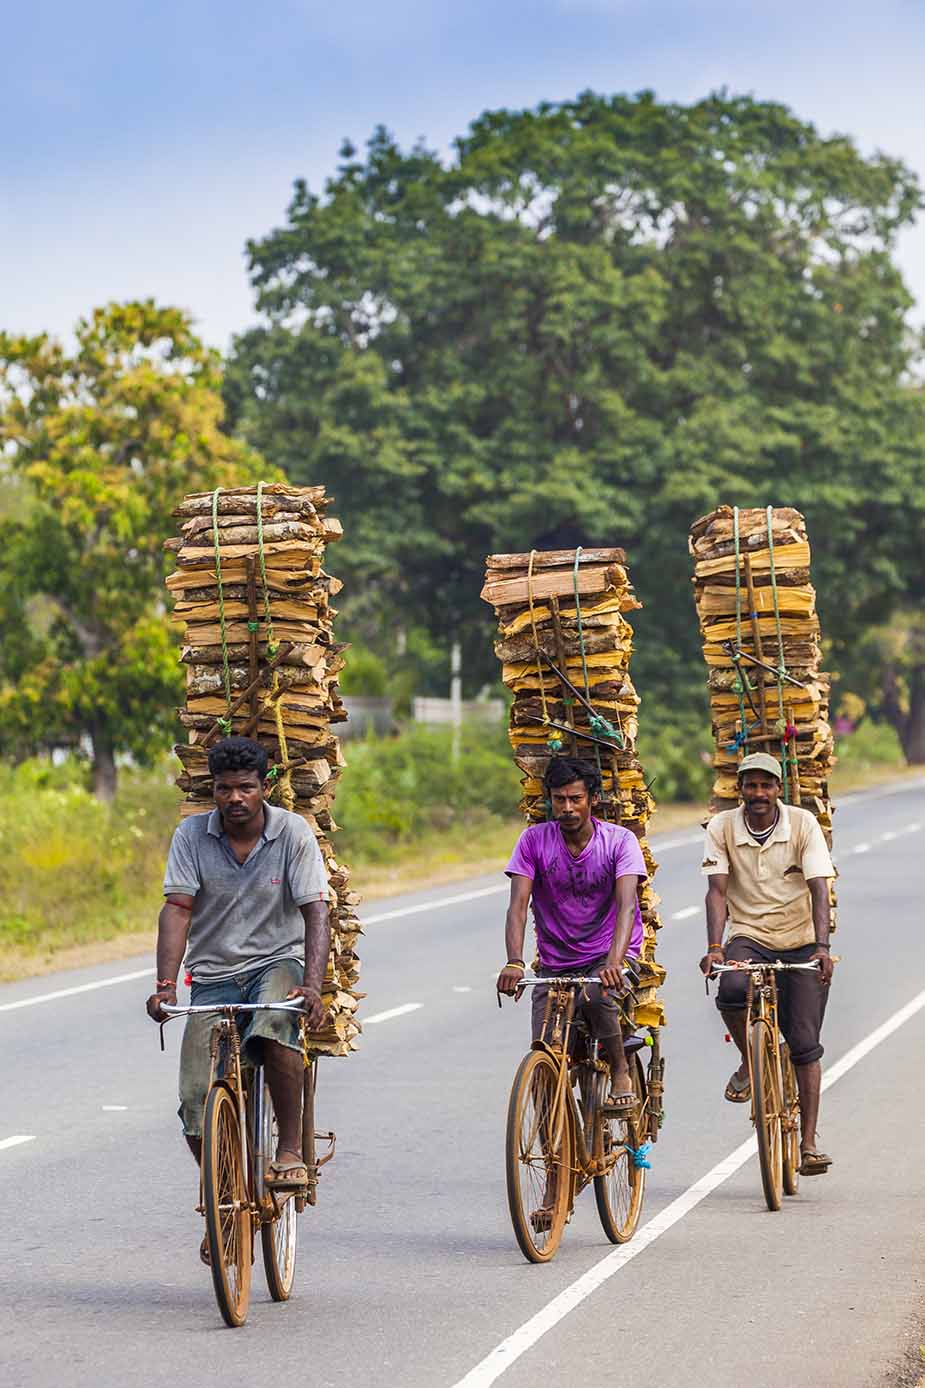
(598, 1010)
(801, 997)
(270, 984)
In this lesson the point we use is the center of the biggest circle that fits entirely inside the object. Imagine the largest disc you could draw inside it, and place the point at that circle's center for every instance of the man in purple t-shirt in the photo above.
(582, 874)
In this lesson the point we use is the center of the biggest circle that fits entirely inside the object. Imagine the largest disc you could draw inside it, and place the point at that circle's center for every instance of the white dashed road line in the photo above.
(16, 1141)
(684, 914)
(391, 1012)
(70, 992)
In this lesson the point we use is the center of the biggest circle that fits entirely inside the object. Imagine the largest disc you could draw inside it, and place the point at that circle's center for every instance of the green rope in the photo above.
(224, 723)
(272, 646)
(581, 634)
(737, 686)
(786, 758)
(584, 667)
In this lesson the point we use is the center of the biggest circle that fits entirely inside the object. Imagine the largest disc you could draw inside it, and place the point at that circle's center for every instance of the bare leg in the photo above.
(195, 1146)
(284, 1069)
(612, 1047)
(737, 1026)
(809, 1083)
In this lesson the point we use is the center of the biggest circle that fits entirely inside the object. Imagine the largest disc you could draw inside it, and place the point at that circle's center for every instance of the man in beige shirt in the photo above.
(768, 868)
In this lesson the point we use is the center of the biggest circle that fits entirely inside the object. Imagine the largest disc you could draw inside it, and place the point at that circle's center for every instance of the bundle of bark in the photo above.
(565, 646)
(761, 643)
(261, 662)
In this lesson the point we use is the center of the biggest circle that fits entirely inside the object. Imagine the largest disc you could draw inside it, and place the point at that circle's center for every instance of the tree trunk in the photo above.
(104, 763)
(908, 720)
(912, 734)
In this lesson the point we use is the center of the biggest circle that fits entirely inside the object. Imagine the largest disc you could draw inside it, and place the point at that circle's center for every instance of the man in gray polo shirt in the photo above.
(246, 898)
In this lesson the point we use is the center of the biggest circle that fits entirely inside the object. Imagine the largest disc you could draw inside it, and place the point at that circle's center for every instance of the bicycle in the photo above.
(239, 1137)
(556, 1145)
(775, 1102)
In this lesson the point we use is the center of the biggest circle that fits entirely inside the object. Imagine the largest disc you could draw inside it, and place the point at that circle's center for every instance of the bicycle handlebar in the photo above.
(746, 964)
(233, 1007)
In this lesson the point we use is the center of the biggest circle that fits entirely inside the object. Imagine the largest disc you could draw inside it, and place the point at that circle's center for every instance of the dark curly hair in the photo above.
(561, 771)
(238, 754)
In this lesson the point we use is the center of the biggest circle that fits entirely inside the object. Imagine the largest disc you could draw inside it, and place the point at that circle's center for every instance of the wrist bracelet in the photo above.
(711, 947)
(166, 983)
(821, 945)
(516, 964)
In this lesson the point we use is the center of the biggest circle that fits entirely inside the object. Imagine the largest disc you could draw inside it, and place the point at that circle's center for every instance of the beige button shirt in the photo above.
(767, 898)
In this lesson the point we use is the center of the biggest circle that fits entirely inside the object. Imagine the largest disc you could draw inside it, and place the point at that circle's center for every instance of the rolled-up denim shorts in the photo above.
(270, 983)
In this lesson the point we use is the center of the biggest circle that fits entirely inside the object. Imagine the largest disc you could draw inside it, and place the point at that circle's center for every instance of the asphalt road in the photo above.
(409, 1274)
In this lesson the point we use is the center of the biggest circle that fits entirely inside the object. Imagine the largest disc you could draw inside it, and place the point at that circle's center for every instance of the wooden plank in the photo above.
(596, 578)
(554, 558)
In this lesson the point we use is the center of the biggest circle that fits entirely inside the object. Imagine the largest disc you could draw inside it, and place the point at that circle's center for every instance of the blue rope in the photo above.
(639, 1155)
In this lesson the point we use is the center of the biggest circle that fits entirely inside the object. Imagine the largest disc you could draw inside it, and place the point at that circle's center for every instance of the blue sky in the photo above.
(143, 143)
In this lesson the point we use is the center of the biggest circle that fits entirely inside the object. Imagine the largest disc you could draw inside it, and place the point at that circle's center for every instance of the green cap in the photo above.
(760, 761)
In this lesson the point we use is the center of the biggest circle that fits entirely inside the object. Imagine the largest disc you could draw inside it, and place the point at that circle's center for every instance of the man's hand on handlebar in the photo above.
(315, 1011)
(716, 955)
(153, 1005)
(509, 980)
(612, 977)
(826, 964)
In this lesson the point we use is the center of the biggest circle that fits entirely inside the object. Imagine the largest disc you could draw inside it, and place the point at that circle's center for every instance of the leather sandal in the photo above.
(739, 1089)
(814, 1163)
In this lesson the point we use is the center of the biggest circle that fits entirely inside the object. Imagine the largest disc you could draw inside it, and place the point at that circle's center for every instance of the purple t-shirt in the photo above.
(574, 902)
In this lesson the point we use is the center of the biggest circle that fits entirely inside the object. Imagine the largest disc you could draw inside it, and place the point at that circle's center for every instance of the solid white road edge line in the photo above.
(391, 1012)
(435, 905)
(504, 1355)
(426, 906)
(17, 1140)
(81, 988)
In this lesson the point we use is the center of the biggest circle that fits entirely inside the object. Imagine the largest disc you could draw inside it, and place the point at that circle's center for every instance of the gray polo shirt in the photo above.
(245, 914)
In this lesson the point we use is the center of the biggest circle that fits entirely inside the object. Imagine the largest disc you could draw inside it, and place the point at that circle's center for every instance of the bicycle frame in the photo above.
(761, 1009)
(558, 1021)
(225, 1051)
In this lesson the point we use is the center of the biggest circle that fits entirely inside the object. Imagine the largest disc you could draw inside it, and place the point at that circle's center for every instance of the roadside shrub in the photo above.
(398, 788)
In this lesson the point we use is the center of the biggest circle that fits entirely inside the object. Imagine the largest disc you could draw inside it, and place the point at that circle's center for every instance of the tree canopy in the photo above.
(98, 443)
(598, 320)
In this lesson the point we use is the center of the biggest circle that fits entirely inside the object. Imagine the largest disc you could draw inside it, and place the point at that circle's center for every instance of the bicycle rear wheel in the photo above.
(277, 1236)
(791, 1123)
(620, 1191)
(538, 1158)
(227, 1205)
(766, 1098)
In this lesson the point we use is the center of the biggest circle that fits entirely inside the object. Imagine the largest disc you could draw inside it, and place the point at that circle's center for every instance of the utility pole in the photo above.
(456, 699)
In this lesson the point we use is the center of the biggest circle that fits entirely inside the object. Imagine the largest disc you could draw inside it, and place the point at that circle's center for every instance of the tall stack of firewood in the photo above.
(564, 646)
(261, 661)
(761, 644)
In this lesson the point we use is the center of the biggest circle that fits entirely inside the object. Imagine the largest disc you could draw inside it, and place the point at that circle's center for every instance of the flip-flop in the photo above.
(286, 1175)
(814, 1163)
(541, 1219)
(619, 1105)
(739, 1089)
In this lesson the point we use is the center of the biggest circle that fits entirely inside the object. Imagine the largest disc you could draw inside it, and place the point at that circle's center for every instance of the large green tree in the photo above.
(98, 442)
(598, 320)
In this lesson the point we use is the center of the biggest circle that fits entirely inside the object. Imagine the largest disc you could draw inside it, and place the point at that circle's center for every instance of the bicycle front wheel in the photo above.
(619, 1192)
(539, 1158)
(227, 1206)
(277, 1236)
(767, 1105)
(791, 1123)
